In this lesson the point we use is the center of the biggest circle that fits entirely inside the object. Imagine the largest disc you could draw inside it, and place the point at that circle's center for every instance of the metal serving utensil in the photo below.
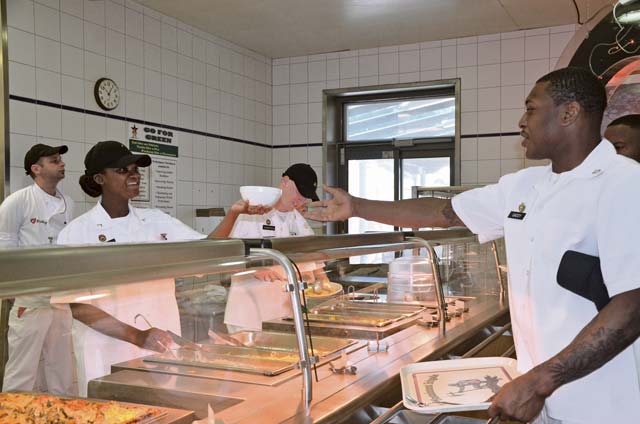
(166, 348)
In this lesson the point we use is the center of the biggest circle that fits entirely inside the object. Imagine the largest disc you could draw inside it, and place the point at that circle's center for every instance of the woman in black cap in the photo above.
(104, 329)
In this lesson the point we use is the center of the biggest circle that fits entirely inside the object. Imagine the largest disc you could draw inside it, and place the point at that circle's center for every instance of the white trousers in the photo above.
(40, 333)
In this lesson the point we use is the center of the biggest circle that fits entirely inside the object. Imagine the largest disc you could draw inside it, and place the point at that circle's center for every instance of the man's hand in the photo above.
(243, 207)
(520, 400)
(154, 339)
(339, 208)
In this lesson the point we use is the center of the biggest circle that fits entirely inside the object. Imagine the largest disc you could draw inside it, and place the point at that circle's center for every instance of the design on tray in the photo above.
(459, 386)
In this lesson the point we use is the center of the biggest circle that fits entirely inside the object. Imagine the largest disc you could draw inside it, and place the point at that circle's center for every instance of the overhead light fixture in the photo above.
(631, 17)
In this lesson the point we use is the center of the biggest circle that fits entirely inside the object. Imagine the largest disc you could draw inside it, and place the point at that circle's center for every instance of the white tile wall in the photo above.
(172, 73)
(168, 73)
(496, 71)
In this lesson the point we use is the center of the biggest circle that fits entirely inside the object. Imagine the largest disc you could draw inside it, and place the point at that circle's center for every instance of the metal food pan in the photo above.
(353, 319)
(277, 341)
(395, 308)
(165, 415)
(230, 358)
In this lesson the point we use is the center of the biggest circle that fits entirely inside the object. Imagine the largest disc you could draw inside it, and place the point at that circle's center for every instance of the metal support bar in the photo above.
(435, 267)
(305, 361)
(477, 348)
(388, 414)
(503, 289)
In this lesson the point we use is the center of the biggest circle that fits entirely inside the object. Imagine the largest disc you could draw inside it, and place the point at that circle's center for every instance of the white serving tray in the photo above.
(454, 385)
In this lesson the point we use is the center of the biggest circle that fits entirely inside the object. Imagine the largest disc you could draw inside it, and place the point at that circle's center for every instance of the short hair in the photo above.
(574, 84)
(631, 121)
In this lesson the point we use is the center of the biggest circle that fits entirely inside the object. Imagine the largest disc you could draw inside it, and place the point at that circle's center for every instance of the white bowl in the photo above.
(258, 195)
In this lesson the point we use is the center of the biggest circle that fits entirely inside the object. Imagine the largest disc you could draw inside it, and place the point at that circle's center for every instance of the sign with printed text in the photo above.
(159, 181)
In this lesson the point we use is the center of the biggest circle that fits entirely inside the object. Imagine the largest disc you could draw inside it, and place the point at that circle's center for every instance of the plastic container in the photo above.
(410, 279)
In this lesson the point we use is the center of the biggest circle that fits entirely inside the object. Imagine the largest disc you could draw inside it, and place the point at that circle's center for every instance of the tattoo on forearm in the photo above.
(450, 215)
(589, 355)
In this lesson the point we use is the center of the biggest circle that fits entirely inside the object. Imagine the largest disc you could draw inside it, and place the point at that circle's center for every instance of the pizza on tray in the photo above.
(28, 408)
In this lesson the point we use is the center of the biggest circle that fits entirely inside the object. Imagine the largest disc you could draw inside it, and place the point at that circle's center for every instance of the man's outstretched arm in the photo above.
(411, 213)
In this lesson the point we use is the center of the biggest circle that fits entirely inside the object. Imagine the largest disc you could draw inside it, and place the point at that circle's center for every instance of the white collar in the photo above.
(597, 162)
(102, 218)
(46, 196)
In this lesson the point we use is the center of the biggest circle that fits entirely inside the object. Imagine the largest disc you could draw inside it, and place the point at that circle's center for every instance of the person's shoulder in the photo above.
(529, 173)
(152, 215)
(623, 167)
(75, 231)
(20, 195)
(621, 178)
(18, 199)
(82, 219)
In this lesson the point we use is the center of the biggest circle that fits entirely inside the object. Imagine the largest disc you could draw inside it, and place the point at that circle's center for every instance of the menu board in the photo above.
(158, 186)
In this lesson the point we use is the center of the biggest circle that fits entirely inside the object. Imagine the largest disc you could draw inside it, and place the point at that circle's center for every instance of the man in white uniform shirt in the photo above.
(577, 363)
(252, 299)
(34, 216)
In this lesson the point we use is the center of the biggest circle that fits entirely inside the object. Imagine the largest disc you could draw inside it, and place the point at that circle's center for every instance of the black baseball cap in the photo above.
(305, 179)
(41, 151)
(112, 154)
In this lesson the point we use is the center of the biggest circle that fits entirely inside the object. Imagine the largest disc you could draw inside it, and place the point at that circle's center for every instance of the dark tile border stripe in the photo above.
(137, 121)
(196, 132)
(297, 145)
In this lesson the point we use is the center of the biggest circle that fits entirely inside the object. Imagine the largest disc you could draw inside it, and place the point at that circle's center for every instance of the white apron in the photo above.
(252, 301)
(155, 300)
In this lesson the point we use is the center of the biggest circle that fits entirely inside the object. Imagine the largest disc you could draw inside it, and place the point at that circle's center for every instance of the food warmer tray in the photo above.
(371, 314)
(266, 353)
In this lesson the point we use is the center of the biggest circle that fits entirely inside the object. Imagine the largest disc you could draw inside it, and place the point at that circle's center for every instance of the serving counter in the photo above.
(337, 361)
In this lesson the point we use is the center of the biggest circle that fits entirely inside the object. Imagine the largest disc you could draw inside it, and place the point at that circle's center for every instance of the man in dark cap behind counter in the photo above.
(34, 216)
(252, 299)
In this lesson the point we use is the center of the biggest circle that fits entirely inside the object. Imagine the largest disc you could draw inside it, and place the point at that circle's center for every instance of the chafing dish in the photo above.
(266, 353)
(369, 314)
(276, 341)
(230, 358)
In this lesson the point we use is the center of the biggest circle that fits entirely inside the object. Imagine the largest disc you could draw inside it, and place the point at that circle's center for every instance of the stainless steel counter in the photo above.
(335, 397)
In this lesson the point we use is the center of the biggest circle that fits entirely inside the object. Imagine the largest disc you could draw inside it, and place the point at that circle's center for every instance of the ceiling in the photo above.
(283, 28)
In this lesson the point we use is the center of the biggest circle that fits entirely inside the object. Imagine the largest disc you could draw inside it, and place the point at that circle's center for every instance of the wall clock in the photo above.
(107, 93)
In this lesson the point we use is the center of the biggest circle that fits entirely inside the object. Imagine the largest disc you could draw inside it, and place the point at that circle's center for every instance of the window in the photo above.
(389, 141)
(400, 119)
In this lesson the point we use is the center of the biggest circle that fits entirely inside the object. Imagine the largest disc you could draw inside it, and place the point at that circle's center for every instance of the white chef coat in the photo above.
(155, 300)
(591, 209)
(252, 301)
(33, 217)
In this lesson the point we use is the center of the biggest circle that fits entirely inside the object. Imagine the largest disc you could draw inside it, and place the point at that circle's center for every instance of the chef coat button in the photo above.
(531, 239)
